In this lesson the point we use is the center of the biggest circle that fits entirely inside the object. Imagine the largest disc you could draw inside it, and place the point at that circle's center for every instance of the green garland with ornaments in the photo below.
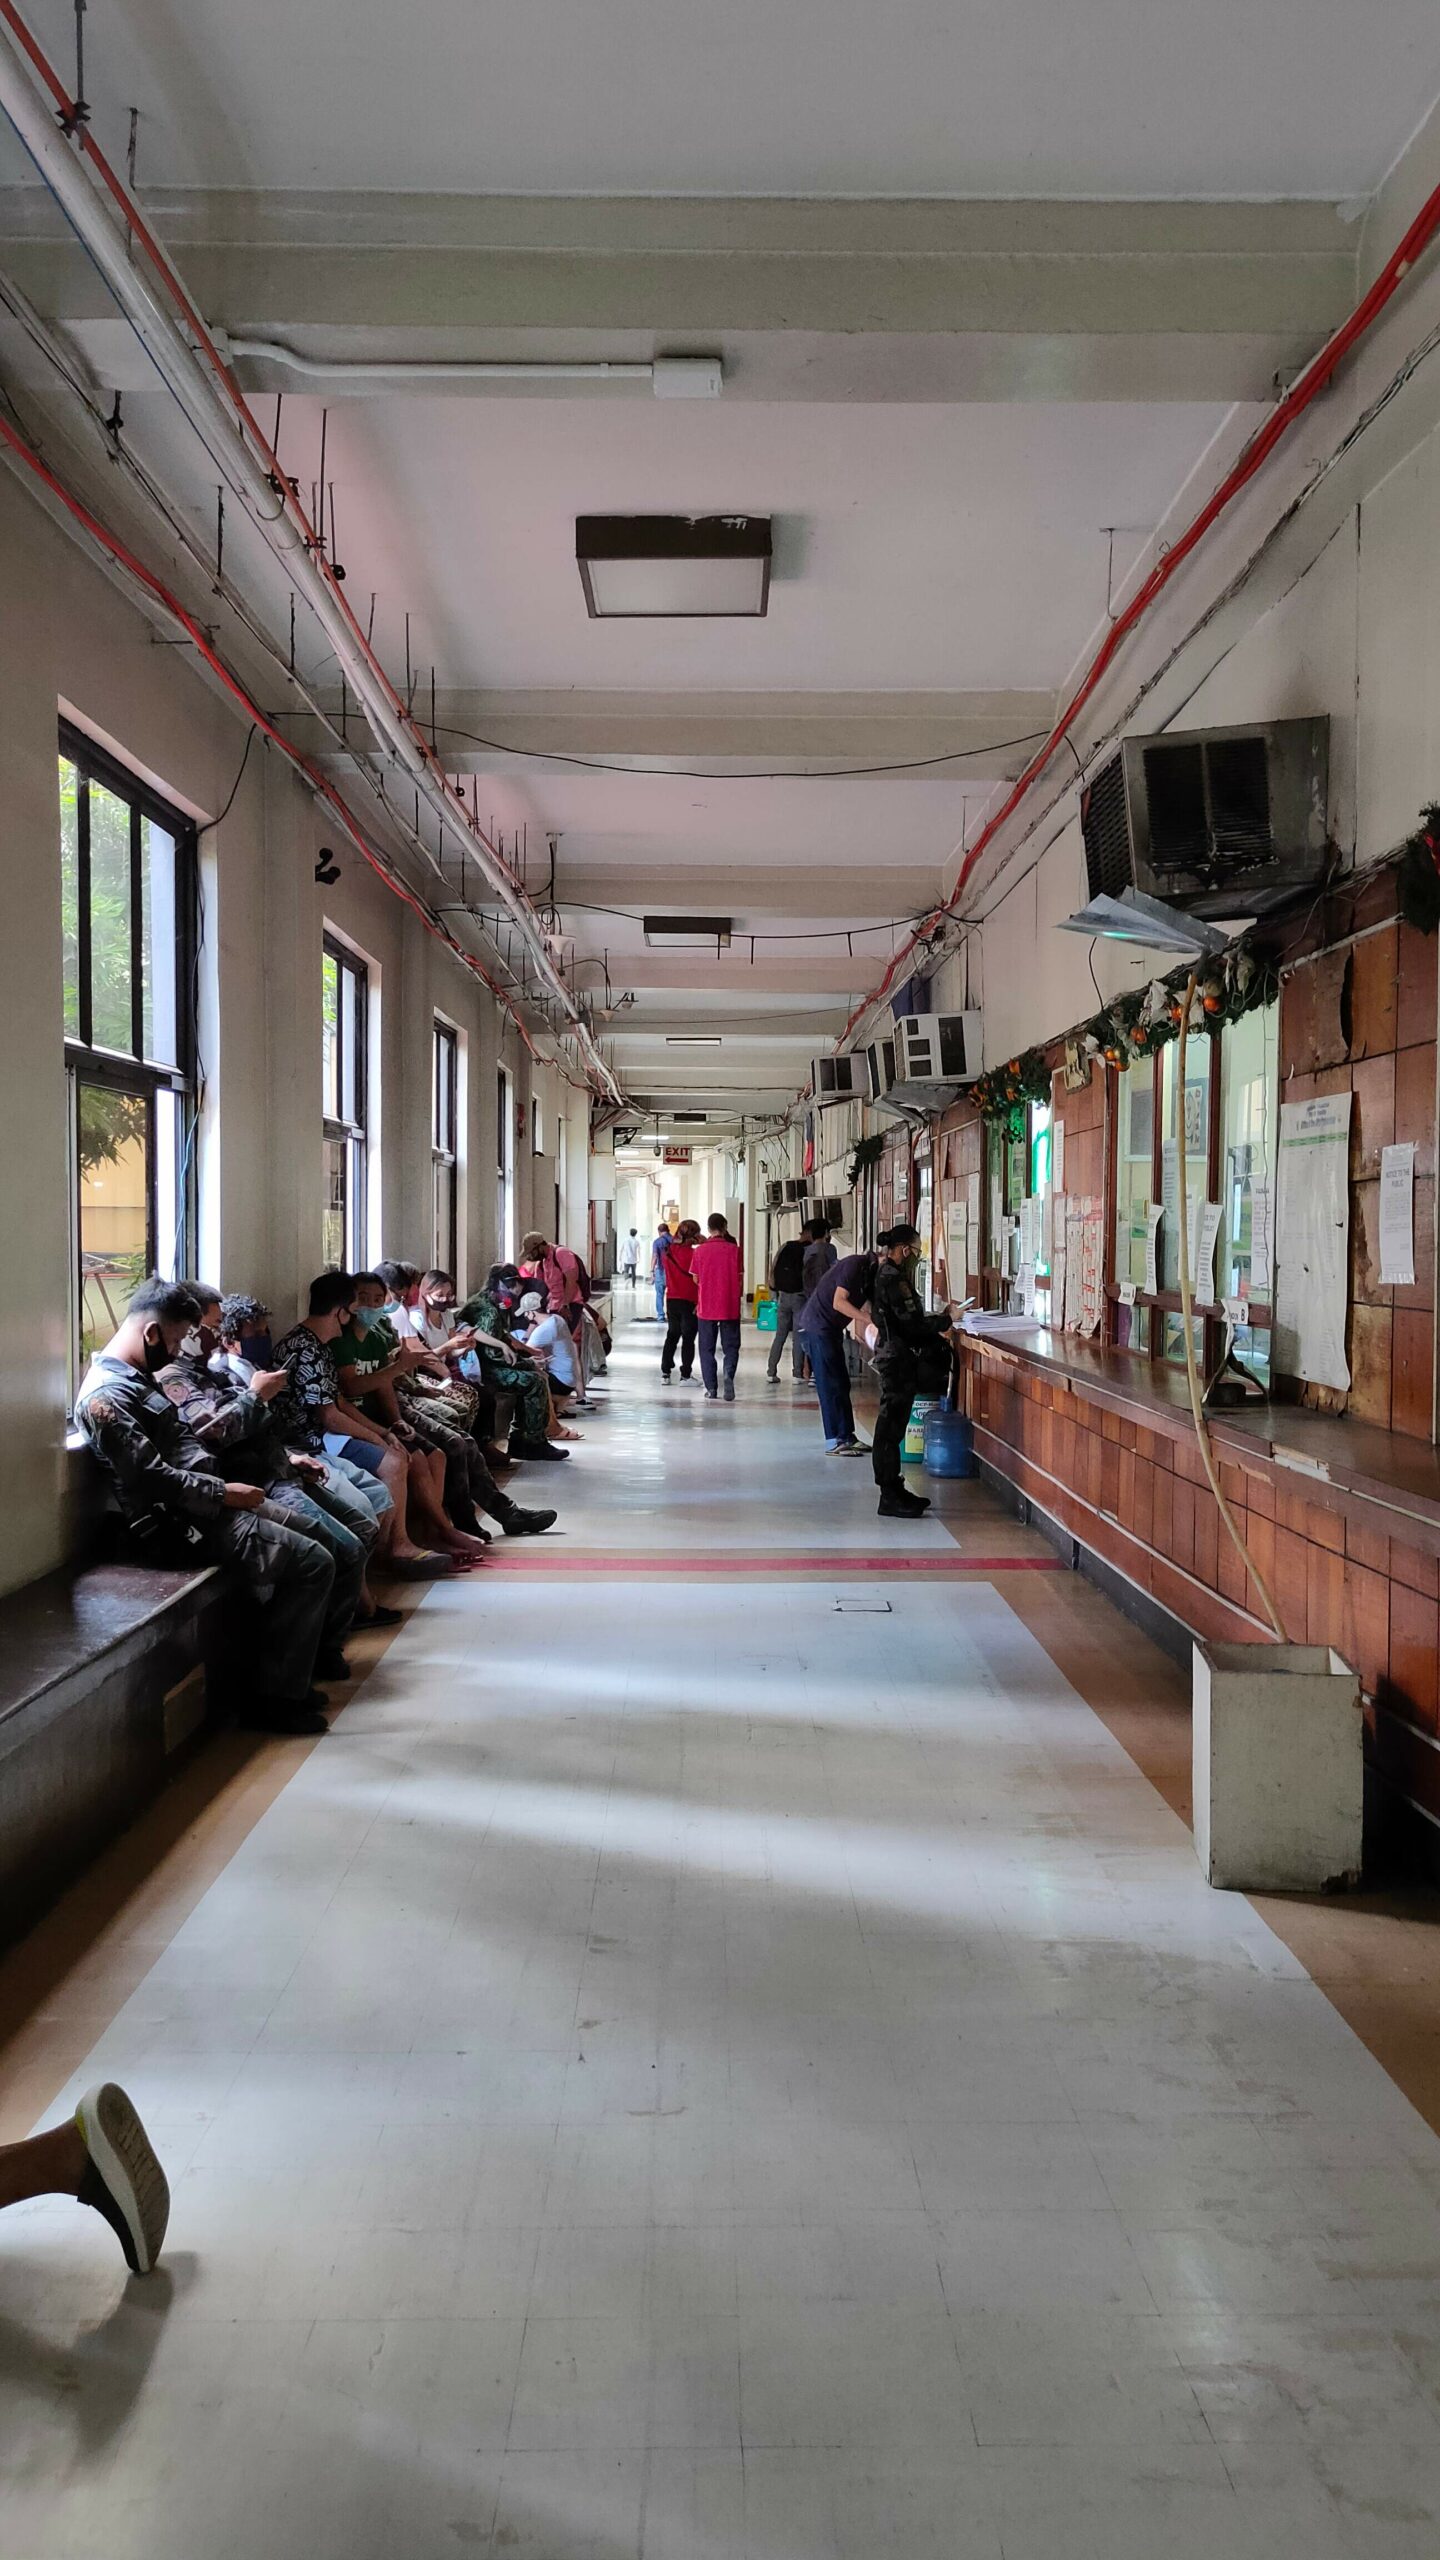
(1134, 1026)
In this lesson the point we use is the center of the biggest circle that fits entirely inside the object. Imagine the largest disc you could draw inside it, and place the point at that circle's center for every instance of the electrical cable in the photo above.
(1314, 379)
(702, 773)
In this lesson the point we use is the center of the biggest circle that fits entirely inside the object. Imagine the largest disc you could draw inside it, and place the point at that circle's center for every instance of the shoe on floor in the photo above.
(330, 1664)
(382, 1618)
(284, 1715)
(526, 1524)
(729, 1395)
(900, 1505)
(536, 1449)
(710, 1396)
(123, 2179)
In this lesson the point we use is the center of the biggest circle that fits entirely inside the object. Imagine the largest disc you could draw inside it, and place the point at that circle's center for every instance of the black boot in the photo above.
(519, 1523)
(896, 1504)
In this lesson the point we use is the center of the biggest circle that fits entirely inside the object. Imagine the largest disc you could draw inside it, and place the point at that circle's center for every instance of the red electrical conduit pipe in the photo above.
(319, 781)
(79, 133)
(1257, 452)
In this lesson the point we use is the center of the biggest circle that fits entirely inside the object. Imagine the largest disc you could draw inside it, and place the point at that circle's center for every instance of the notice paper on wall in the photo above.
(1312, 1240)
(1092, 1266)
(1057, 1155)
(1204, 1227)
(957, 1248)
(1153, 1216)
(1074, 1254)
(1397, 1215)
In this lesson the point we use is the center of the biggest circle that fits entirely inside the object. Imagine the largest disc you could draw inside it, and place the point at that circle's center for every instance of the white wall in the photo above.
(68, 637)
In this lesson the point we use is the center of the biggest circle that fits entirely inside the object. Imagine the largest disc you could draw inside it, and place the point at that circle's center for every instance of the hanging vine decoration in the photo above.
(867, 1151)
(1147, 1019)
(1418, 881)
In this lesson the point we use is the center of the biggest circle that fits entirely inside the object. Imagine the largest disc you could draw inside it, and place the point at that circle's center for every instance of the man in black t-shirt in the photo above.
(843, 1293)
(787, 1279)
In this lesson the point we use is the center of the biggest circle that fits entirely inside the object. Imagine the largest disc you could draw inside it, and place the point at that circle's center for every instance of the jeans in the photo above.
(728, 1330)
(368, 1490)
(660, 1293)
(680, 1336)
(788, 1304)
(347, 1548)
(832, 1382)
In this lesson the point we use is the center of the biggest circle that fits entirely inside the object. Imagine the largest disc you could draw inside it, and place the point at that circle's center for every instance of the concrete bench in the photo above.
(103, 1679)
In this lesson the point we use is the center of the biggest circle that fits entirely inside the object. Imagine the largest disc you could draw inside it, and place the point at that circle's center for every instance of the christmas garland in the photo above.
(867, 1151)
(1418, 879)
(1004, 1095)
(1136, 1025)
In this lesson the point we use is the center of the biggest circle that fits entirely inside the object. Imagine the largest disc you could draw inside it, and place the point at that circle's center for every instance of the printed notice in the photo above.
(1153, 1216)
(1397, 1215)
(1312, 1239)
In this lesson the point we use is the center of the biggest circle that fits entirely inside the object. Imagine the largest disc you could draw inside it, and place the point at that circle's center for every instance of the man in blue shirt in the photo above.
(658, 1251)
(842, 1293)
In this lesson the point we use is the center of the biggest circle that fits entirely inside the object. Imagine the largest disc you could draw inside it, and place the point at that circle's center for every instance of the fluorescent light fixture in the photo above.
(692, 1039)
(676, 567)
(1133, 917)
(686, 933)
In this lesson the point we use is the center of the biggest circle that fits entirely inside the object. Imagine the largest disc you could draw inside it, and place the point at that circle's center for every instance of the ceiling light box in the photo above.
(676, 567)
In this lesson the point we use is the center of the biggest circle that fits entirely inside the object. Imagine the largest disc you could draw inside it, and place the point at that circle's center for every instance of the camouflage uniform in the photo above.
(237, 1432)
(517, 1378)
(161, 1471)
(907, 1336)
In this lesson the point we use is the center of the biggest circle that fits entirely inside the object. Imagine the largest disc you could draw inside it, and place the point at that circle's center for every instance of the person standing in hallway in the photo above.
(787, 1279)
(840, 1299)
(630, 1256)
(660, 1247)
(681, 1313)
(820, 1255)
(719, 1291)
(912, 1357)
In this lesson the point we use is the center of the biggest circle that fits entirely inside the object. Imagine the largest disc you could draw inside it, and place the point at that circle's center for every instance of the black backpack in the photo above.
(789, 1271)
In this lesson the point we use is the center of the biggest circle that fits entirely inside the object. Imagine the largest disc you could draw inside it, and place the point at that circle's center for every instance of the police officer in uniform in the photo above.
(179, 1507)
(911, 1351)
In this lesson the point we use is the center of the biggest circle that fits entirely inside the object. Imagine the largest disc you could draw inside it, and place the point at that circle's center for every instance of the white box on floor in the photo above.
(1277, 1766)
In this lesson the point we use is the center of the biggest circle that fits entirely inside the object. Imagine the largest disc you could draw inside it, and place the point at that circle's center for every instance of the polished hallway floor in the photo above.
(721, 2053)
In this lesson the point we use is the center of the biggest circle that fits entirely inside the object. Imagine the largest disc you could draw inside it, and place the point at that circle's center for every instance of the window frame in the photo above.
(1160, 1304)
(445, 1157)
(351, 1133)
(131, 1071)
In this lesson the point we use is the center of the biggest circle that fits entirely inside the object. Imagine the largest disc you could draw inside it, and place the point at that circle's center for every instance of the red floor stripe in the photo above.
(833, 1568)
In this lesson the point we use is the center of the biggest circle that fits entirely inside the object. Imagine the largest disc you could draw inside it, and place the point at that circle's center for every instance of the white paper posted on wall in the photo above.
(1312, 1240)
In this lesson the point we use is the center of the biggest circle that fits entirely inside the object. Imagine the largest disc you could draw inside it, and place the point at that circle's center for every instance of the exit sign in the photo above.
(677, 1155)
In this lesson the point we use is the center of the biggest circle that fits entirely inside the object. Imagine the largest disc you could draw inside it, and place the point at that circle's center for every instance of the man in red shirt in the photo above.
(715, 1263)
(680, 1308)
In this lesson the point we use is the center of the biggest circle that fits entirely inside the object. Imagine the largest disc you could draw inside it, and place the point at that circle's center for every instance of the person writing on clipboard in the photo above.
(912, 1357)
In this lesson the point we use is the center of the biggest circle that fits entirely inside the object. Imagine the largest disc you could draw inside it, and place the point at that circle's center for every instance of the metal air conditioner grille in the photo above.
(1105, 826)
(1209, 811)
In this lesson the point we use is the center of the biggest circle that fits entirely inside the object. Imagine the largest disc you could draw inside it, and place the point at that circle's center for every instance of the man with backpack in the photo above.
(787, 1279)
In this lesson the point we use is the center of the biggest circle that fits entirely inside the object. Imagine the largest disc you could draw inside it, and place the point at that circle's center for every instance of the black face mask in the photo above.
(257, 1348)
(155, 1355)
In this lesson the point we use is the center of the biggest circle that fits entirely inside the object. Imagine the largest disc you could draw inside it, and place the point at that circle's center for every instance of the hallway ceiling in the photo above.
(990, 288)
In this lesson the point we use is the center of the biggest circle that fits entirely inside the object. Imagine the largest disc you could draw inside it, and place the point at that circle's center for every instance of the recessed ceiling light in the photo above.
(678, 567)
(692, 1039)
(686, 933)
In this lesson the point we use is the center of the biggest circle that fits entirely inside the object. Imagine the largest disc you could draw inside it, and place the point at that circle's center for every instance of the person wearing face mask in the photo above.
(372, 1360)
(234, 1423)
(180, 1509)
(911, 1356)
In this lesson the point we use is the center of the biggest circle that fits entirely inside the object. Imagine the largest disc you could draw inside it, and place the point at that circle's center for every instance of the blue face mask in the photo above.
(259, 1349)
(365, 1317)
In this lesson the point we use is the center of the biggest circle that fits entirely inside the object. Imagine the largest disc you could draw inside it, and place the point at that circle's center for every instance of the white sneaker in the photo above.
(123, 2179)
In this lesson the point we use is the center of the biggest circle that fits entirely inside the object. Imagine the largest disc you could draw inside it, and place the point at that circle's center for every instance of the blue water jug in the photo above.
(949, 1444)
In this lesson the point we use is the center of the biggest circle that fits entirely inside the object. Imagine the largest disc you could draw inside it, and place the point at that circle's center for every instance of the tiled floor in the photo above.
(741, 2065)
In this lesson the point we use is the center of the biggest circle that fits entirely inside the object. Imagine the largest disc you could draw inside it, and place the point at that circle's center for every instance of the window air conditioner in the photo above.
(837, 1080)
(832, 1211)
(935, 1054)
(880, 1069)
(774, 1195)
(1218, 822)
(796, 1190)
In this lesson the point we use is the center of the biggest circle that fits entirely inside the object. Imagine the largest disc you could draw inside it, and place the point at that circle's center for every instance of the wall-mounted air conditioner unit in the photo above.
(832, 1211)
(837, 1080)
(1219, 822)
(774, 1195)
(935, 1054)
(879, 1069)
(796, 1189)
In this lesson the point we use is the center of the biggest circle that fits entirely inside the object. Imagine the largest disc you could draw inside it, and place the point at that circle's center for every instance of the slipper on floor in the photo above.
(419, 1568)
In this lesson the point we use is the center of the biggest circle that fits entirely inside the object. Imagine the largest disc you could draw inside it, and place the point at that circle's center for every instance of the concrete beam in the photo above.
(812, 300)
(839, 892)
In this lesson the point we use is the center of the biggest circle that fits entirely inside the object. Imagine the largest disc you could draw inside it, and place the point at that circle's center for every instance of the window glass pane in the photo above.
(1249, 1092)
(111, 1021)
(115, 1172)
(1197, 1147)
(330, 1033)
(335, 1220)
(158, 944)
(70, 893)
(171, 1169)
(1134, 1172)
(443, 1247)
(349, 1043)
(1041, 1118)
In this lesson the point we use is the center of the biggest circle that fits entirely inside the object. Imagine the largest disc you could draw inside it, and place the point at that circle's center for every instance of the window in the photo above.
(537, 1138)
(344, 1005)
(505, 1167)
(127, 875)
(1228, 1134)
(445, 1150)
